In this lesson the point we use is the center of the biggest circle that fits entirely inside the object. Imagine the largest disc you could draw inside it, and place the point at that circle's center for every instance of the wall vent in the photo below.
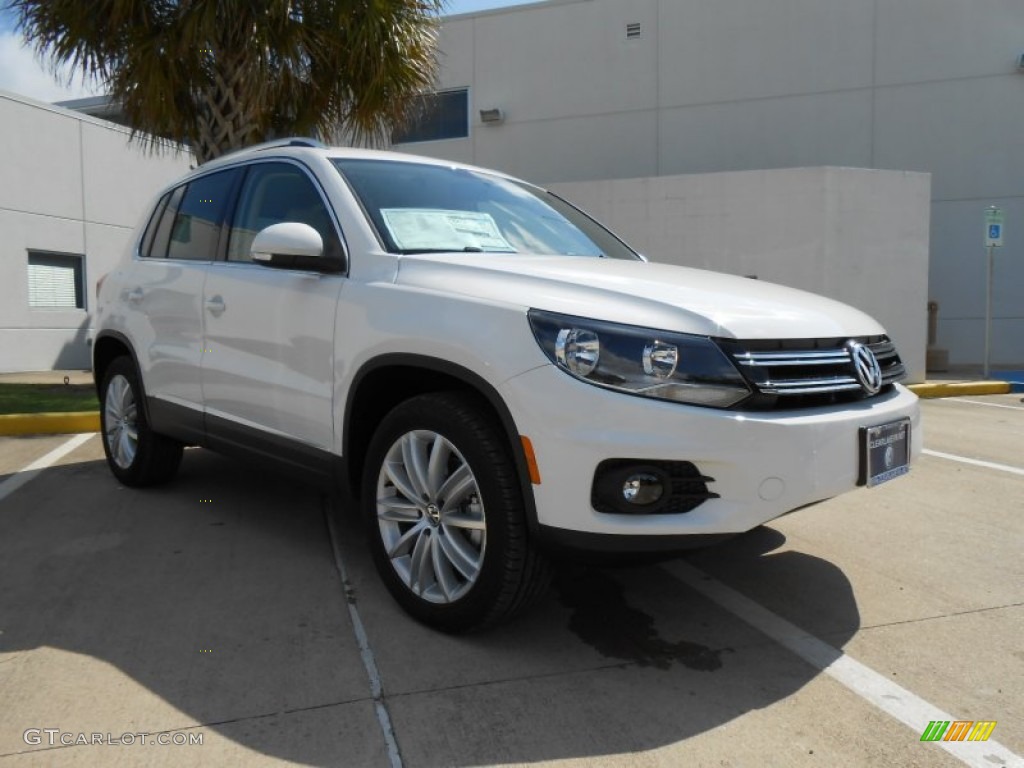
(632, 31)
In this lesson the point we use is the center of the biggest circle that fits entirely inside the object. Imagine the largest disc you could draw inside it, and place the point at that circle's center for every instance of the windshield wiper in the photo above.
(466, 249)
(415, 251)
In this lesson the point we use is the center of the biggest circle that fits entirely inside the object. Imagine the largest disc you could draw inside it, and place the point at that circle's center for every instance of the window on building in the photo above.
(56, 280)
(436, 116)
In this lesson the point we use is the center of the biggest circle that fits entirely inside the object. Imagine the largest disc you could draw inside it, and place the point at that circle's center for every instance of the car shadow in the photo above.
(615, 661)
(219, 594)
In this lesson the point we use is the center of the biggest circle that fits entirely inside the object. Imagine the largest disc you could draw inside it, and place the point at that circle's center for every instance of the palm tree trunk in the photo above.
(225, 119)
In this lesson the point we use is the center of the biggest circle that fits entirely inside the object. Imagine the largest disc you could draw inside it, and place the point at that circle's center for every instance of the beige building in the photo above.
(577, 94)
(72, 191)
(585, 90)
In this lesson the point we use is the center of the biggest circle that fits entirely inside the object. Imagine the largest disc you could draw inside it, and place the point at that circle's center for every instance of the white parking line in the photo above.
(22, 476)
(974, 462)
(894, 700)
(365, 652)
(978, 402)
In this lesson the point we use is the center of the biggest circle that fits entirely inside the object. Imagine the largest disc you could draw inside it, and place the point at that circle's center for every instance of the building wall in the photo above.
(723, 85)
(857, 236)
(71, 184)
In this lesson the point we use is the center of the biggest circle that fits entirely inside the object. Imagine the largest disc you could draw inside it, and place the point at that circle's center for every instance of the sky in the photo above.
(22, 72)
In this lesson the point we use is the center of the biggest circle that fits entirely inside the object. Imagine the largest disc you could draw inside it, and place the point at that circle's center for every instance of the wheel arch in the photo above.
(384, 382)
(107, 347)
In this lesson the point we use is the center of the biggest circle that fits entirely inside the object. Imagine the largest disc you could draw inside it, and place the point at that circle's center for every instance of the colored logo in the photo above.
(958, 730)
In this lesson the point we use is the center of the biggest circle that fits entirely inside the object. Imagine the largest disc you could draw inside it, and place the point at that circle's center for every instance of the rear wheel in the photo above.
(136, 454)
(445, 513)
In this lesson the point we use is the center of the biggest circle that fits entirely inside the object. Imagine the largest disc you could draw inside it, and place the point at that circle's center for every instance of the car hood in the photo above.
(638, 293)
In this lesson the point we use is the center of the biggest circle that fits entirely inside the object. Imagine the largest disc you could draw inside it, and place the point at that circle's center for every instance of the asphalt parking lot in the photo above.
(241, 607)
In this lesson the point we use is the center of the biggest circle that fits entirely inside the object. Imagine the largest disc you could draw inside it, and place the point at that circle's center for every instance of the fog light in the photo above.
(646, 487)
(642, 489)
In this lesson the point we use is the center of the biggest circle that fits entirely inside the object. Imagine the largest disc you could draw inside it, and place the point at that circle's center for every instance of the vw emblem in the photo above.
(434, 514)
(865, 367)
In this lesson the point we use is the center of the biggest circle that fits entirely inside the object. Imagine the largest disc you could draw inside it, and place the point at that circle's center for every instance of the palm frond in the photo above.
(220, 74)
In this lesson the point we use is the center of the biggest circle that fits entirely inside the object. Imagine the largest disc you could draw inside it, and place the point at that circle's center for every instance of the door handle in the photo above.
(134, 296)
(215, 305)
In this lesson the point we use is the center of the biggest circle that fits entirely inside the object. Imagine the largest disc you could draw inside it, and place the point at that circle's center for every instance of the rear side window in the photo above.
(151, 227)
(196, 229)
(158, 233)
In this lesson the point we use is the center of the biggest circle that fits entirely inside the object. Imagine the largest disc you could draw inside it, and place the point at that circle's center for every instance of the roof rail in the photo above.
(294, 141)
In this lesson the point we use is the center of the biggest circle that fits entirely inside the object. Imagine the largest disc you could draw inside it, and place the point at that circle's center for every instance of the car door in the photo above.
(267, 374)
(162, 296)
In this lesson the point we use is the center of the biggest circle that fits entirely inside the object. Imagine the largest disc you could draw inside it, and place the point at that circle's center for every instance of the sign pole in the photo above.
(993, 240)
(988, 315)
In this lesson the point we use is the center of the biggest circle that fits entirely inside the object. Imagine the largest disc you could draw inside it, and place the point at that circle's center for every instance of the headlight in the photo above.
(640, 361)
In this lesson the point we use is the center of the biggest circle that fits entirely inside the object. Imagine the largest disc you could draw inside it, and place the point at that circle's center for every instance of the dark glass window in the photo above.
(154, 222)
(437, 116)
(163, 220)
(273, 193)
(197, 226)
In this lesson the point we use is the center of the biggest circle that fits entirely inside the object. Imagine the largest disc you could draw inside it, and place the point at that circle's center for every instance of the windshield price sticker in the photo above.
(438, 230)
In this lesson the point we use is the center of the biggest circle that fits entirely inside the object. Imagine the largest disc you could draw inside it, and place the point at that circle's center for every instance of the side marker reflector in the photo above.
(531, 460)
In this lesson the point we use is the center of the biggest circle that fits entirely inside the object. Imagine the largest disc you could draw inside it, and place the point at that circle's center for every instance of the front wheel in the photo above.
(444, 508)
(136, 454)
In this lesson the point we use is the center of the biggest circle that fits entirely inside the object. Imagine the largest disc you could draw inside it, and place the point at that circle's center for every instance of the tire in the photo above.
(445, 515)
(136, 454)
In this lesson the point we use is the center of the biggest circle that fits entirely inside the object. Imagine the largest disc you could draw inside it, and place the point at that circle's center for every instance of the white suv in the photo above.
(493, 374)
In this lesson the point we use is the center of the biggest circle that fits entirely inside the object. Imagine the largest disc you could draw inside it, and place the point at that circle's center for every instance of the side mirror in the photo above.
(289, 245)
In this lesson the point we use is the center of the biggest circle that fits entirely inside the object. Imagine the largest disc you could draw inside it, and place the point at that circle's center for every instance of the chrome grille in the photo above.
(810, 366)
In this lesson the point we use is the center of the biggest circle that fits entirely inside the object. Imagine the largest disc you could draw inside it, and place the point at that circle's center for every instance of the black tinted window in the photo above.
(197, 225)
(161, 225)
(154, 222)
(273, 193)
(437, 116)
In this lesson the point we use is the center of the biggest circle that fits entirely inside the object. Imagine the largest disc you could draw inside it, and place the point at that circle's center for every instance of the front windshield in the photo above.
(419, 208)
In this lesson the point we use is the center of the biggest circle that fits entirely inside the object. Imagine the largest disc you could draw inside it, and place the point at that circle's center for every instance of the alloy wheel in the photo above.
(431, 516)
(121, 427)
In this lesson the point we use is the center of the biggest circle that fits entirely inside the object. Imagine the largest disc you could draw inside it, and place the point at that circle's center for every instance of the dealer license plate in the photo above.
(884, 452)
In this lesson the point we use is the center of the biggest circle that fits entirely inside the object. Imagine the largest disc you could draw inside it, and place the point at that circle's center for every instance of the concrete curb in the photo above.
(960, 389)
(49, 423)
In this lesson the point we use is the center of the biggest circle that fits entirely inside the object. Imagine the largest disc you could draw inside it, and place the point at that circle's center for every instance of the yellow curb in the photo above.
(959, 389)
(49, 423)
(89, 421)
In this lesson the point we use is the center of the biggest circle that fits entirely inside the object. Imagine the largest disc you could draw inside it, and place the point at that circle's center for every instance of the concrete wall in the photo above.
(70, 184)
(721, 85)
(858, 236)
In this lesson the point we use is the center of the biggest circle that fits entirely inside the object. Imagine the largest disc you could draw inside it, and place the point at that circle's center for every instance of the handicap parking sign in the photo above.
(993, 228)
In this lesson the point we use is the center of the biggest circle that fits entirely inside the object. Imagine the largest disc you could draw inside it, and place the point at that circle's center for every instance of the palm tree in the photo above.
(222, 74)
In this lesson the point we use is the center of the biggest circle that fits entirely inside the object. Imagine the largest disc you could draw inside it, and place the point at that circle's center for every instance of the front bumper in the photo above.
(764, 464)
